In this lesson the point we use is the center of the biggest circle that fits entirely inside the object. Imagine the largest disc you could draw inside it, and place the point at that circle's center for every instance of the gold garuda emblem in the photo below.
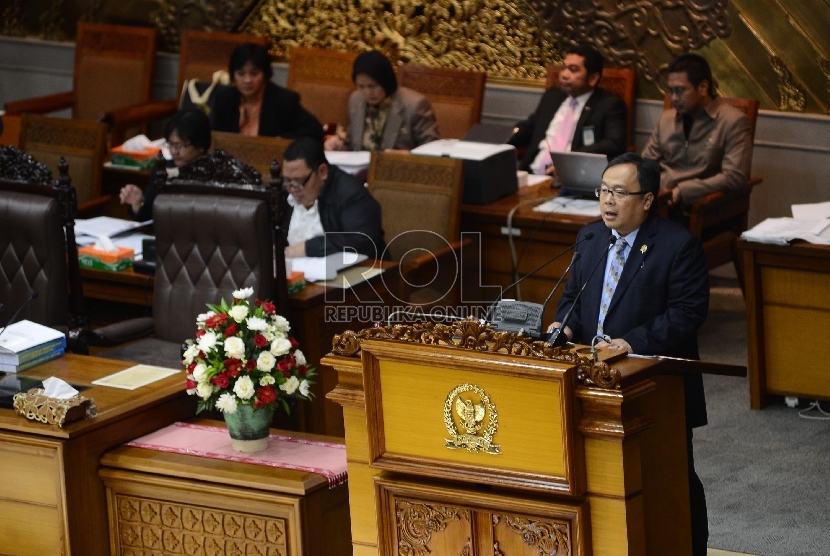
(476, 416)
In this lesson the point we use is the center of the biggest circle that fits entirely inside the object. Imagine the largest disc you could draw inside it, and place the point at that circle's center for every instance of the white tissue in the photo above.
(104, 243)
(138, 143)
(58, 389)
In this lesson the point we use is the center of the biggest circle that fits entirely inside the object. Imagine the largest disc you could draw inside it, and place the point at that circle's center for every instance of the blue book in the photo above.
(26, 340)
(43, 358)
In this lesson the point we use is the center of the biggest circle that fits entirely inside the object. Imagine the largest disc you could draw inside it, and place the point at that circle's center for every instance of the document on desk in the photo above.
(323, 268)
(781, 231)
(350, 161)
(812, 211)
(135, 377)
(570, 205)
(105, 226)
(350, 277)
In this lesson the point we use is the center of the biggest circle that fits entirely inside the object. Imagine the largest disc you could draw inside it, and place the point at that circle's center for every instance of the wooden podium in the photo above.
(464, 441)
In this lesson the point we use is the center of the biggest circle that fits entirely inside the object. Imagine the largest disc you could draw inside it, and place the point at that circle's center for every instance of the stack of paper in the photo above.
(570, 205)
(25, 344)
(781, 231)
(121, 233)
(323, 268)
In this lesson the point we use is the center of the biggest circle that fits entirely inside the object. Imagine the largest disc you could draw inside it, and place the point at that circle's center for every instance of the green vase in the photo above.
(249, 428)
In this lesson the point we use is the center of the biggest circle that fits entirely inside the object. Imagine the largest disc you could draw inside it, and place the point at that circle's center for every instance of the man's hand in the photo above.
(131, 195)
(550, 171)
(296, 250)
(617, 344)
(334, 143)
(567, 330)
(675, 197)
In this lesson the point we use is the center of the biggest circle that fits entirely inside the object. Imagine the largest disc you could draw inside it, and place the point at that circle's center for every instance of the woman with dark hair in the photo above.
(382, 115)
(256, 106)
(188, 137)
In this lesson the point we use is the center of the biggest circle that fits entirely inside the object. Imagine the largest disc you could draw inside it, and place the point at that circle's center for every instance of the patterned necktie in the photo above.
(612, 278)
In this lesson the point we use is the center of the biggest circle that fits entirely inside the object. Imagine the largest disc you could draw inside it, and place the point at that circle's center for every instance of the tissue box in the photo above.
(106, 260)
(37, 406)
(295, 282)
(144, 159)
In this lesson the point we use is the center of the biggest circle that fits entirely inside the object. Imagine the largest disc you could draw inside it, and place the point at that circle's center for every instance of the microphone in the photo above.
(557, 338)
(523, 316)
(32, 296)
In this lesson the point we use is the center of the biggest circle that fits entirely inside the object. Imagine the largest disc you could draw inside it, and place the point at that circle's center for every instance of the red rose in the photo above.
(266, 395)
(190, 384)
(286, 373)
(216, 320)
(200, 333)
(230, 330)
(294, 343)
(260, 340)
(220, 380)
(191, 367)
(287, 363)
(251, 364)
(233, 366)
(269, 308)
(302, 370)
(201, 355)
(257, 302)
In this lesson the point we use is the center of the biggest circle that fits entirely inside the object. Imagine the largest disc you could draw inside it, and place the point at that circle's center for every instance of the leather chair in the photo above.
(323, 78)
(37, 243)
(201, 53)
(456, 95)
(420, 199)
(81, 142)
(211, 239)
(258, 152)
(114, 67)
(720, 218)
(621, 82)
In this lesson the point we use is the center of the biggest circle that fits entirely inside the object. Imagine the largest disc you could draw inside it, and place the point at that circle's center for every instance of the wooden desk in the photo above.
(787, 308)
(311, 315)
(51, 498)
(166, 503)
(545, 234)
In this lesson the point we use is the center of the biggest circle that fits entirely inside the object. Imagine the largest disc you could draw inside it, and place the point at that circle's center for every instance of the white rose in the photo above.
(204, 390)
(208, 341)
(266, 380)
(235, 347)
(281, 323)
(304, 386)
(300, 357)
(290, 386)
(244, 387)
(226, 403)
(200, 373)
(203, 317)
(238, 312)
(190, 353)
(256, 323)
(244, 293)
(265, 361)
(280, 346)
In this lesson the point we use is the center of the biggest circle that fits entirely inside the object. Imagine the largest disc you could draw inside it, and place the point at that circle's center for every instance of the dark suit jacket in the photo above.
(661, 300)
(345, 205)
(281, 114)
(604, 111)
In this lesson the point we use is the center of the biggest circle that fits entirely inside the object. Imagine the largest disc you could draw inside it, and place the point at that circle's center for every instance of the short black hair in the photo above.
(593, 59)
(192, 126)
(378, 67)
(696, 69)
(648, 171)
(250, 52)
(307, 149)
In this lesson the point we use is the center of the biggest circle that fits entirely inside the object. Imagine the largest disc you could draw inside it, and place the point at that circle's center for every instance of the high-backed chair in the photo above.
(114, 67)
(258, 152)
(211, 239)
(323, 78)
(201, 53)
(456, 95)
(621, 82)
(37, 242)
(81, 142)
(720, 218)
(420, 199)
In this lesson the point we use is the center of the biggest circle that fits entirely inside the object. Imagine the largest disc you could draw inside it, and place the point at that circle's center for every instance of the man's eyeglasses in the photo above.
(176, 146)
(295, 185)
(619, 194)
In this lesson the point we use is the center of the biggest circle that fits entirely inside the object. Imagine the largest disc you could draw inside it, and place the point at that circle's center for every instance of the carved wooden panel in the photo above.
(151, 527)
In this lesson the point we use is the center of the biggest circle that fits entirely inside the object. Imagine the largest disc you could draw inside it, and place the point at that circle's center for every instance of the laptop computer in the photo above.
(579, 174)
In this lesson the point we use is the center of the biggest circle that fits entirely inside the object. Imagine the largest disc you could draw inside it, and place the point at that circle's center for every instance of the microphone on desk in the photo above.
(523, 316)
(557, 338)
(32, 296)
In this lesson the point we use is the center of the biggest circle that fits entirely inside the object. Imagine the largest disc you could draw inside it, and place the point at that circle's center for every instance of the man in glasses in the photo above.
(703, 145)
(649, 295)
(329, 210)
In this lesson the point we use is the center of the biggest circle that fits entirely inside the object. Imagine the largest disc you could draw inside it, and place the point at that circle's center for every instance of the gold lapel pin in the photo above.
(643, 249)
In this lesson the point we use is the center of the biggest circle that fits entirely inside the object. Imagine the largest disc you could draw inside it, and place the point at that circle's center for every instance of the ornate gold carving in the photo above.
(51, 22)
(417, 522)
(502, 38)
(549, 538)
(13, 24)
(173, 15)
(468, 549)
(471, 418)
(496, 551)
(791, 95)
(824, 64)
(474, 335)
(152, 526)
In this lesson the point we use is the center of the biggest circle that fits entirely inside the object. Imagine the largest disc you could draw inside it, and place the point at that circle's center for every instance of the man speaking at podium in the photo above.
(649, 294)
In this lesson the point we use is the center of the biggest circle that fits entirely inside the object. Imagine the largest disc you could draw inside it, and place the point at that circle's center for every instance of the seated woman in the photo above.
(255, 105)
(382, 115)
(188, 137)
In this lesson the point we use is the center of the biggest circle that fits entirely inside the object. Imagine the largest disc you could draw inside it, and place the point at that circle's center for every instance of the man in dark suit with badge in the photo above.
(649, 295)
(578, 115)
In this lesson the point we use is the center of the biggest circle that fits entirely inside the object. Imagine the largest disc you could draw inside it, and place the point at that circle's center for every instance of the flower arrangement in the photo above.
(242, 355)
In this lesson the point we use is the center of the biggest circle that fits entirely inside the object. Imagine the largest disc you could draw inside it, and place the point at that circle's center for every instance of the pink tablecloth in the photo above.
(326, 458)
